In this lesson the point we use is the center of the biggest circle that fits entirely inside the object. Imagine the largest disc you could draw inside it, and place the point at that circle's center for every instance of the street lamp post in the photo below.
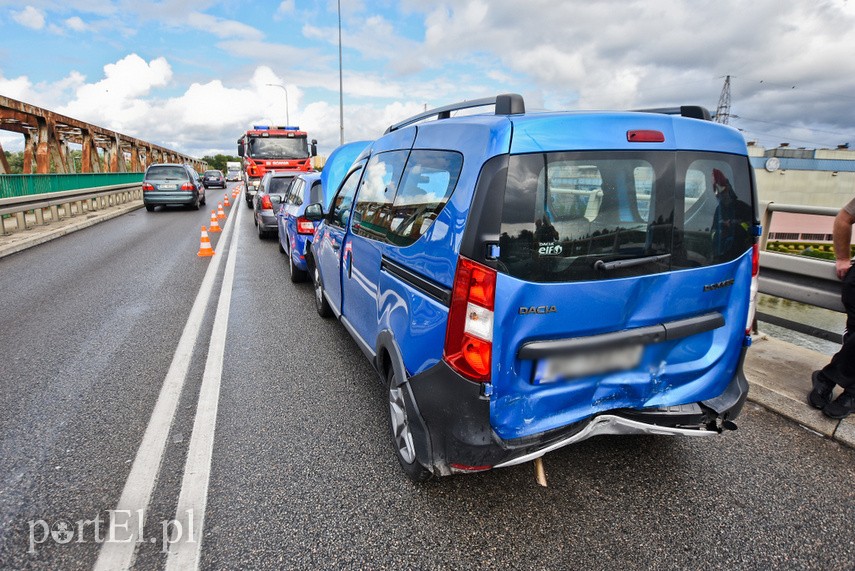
(287, 118)
(340, 83)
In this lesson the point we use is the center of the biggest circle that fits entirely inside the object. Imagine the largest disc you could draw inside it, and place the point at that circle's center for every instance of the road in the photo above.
(294, 469)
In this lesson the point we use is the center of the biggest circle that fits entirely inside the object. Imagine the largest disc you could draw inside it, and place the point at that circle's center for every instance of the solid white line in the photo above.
(118, 551)
(185, 550)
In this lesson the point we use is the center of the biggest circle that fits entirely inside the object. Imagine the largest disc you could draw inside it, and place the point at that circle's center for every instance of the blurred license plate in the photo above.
(168, 187)
(590, 363)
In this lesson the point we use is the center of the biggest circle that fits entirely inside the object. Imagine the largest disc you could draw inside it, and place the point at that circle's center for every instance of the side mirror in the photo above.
(240, 149)
(314, 212)
(314, 147)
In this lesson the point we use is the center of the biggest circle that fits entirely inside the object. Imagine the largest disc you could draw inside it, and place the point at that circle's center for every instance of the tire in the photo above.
(149, 207)
(297, 275)
(261, 233)
(399, 429)
(204, 199)
(321, 304)
(281, 249)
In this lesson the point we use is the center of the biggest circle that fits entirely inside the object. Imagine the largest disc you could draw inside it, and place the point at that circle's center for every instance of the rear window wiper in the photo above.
(629, 262)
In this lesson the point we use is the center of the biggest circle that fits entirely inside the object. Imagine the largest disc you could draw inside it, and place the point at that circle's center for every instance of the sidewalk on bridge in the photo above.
(778, 372)
(34, 235)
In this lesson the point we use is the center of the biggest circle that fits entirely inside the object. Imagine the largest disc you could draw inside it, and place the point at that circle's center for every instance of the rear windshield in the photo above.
(279, 184)
(604, 215)
(167, 173)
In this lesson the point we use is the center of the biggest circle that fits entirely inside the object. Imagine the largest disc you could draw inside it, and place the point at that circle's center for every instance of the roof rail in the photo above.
(506, 104)
(691, 111)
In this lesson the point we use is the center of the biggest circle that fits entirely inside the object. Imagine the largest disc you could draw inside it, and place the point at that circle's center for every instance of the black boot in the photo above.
(842, 406)
(820, 396)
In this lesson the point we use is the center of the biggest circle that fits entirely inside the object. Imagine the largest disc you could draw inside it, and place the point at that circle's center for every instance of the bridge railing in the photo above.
(22, 212)
(16, 185)
(798, 278)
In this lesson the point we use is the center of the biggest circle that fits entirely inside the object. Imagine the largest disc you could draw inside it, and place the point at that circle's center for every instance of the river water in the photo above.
(807, 314)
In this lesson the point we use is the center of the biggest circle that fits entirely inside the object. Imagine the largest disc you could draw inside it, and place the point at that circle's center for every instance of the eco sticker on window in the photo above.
(549, 249)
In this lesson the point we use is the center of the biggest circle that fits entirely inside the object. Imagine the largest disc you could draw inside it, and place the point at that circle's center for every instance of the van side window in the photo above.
(429, 179)
(340, 210)
(372, 211)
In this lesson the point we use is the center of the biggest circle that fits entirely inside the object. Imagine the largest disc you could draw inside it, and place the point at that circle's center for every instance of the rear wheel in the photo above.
(149, 207)
(402, 436)
(297, 275)
(321, 304)
(261, 233)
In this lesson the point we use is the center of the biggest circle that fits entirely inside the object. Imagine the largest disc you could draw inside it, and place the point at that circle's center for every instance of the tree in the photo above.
(16, 162)
(218, 162)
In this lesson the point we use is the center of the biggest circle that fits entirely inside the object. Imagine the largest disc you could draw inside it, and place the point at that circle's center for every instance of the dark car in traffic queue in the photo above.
(214, 178)
(172, 184)
(271, 193)
(295, 230)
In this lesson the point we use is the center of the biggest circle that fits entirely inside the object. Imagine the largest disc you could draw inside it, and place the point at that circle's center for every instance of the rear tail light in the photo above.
(147, 186)
(266, 204)
(305, 226)
(469, 334)
(755, 286)
(187, 186)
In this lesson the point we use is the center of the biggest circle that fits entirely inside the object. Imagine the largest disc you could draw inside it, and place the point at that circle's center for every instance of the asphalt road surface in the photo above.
(206, 400)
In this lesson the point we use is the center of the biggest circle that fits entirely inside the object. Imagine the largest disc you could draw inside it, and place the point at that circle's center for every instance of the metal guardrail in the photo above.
(15, 185)
(798, 278)
(52, 207)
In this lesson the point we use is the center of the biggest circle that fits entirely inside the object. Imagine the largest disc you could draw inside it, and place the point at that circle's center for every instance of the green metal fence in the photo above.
(15, 185)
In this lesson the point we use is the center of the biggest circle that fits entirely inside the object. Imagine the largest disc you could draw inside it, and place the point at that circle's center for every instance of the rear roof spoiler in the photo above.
(691, 111)
(506, 104)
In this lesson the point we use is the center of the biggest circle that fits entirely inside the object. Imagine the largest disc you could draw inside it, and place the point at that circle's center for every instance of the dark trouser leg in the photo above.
(841, 369)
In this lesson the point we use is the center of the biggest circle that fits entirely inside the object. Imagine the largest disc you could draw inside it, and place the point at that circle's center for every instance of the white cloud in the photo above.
(19, 88)
(116, 101)
(221, 27)
(285, 7)
(77, 24)
(30, 17)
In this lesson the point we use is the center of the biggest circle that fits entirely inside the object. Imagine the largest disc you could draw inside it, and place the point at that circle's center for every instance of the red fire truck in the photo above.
(268, 148)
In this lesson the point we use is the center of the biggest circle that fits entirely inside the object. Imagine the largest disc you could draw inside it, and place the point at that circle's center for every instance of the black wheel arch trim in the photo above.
(386, 344)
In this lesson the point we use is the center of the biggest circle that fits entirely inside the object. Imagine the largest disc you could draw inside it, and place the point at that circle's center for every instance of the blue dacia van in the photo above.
(523, 281)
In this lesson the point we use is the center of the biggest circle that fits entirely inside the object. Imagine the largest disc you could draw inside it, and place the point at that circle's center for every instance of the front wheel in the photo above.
(402, 435)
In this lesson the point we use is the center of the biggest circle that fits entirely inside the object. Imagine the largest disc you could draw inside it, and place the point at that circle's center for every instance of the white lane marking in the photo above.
(185, 550)
(118, 550)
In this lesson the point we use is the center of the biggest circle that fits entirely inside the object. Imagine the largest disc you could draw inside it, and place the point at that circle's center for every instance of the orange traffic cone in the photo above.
(226, 202)
(215, 226)
(205, 249)
(221, 215)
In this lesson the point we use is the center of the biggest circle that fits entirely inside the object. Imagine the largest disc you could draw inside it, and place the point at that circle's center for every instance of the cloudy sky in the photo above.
(193, 74)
